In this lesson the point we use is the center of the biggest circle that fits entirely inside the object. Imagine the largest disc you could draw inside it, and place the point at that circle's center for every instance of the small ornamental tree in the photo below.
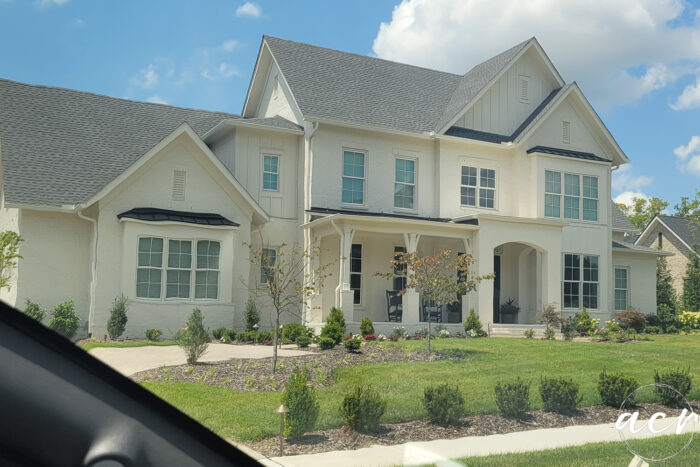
(287, 282)
(440, 278)
(691, 282)
(117, 318)
(665, 293)
(252, 315)
(194, 339)
(302, 403)
(9, 254)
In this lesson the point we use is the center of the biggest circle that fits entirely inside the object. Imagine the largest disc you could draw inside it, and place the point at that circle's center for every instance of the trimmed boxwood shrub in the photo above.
(615, 387)
(559, 395)
(362, 408)
(444, 404)
(352, 344)
(218, 333)
(652, 330)
(34, 311)
(153, 335)
(326, 343)
(672, 329)
(302, 403)
(291, 331)
(513, 399)
(679, 380)
(335, 326)
(366, 327)
(64, 319)
(303, 341)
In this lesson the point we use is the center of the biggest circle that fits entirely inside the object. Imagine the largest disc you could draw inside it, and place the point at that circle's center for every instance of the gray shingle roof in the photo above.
(357, 89)
(624, 246)
(685, 228)
(60, 146)
(619, 220)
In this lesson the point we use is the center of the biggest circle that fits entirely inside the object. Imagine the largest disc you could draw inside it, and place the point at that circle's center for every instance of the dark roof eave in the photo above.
(329, 211)
(185, 217)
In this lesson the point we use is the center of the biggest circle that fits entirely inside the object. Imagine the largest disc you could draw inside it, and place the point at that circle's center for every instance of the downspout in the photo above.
(308, 171)
(93, 269)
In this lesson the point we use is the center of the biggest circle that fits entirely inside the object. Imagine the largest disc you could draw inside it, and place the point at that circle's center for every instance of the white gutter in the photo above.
(93, 268)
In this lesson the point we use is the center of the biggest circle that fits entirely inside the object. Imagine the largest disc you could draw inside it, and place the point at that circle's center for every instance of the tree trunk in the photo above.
(429, 321)
(274, 346)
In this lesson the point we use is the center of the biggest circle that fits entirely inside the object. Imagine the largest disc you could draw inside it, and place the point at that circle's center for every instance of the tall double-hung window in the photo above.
(622, 288)
(405, 184)
(271, 172)
(580, 287)
(478, 187)
(570, 196)
(353, 177)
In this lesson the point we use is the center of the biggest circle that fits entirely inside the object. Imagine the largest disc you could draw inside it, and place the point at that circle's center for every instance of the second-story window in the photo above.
(579, 196)
(478, 184)
(405, 184)
(271, 172)
(353, 177)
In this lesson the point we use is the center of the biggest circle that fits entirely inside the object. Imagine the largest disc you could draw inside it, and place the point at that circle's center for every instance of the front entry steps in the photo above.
(518, 330)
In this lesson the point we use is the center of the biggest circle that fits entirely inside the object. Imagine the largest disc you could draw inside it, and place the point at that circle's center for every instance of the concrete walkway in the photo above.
(441, 451)
(130, 360)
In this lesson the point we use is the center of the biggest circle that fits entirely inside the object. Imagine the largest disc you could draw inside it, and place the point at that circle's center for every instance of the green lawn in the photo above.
(594, 455)
(248, 416)
(143, 343)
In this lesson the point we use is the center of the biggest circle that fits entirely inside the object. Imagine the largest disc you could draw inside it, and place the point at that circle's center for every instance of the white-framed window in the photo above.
(353, 191)
(577, 203)
(180, 282)
(399, 280)
(581, 281)
(356, 272)
(149, 267)
(405, 183)
(268, 260)
(622, 288)
(478, 187)
(206, 284)
(271, 172)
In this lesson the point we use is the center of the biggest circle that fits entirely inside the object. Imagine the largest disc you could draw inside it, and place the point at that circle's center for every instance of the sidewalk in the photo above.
(441, 451)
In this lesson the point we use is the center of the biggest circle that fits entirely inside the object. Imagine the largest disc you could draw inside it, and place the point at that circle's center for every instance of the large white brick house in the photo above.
(360, 156)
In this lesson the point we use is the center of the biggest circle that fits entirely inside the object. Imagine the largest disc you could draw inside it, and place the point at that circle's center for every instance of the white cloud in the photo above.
(146, 77)
(229, 45)
(623, 180)
(618, 51)
(48, 3)
(689, 98)
(688, 156)
(249, 9)
(227, 70)
(626, 197)
(156, 99)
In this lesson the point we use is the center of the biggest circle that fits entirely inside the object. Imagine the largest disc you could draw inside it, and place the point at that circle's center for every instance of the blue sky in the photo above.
(638, 61)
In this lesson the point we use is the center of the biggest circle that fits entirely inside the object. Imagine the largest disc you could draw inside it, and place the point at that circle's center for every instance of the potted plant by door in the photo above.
(509, 312)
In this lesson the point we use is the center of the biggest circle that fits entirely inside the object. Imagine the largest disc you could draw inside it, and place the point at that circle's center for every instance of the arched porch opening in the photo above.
(518, 282)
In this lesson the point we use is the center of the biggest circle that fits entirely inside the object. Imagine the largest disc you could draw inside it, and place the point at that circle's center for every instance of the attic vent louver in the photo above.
(566, 132)
(179, 185)
(524, 88)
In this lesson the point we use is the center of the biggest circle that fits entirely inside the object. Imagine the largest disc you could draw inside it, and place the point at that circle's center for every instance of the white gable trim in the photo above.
(531, 43)
(225, 124)
(183, 129)
(573, 88)
(648, 228)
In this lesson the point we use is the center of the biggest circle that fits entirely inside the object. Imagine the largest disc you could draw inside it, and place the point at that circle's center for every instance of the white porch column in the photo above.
(313, 309)
(411, 300)
(343, 295)
(470, 299)
(485, 266)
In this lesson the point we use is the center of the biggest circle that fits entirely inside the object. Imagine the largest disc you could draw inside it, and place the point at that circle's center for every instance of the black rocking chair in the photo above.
(394, 306)
(434, 311)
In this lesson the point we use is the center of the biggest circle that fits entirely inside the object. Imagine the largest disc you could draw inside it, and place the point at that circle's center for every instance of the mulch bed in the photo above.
(338, 439)
(254, 374)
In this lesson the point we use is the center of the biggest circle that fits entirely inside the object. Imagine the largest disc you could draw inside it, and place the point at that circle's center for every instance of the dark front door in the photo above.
(496, 289)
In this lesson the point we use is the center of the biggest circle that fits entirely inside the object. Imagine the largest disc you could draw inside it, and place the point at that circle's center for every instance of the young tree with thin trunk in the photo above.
(440, 278)
(286, 285)
(9, 254)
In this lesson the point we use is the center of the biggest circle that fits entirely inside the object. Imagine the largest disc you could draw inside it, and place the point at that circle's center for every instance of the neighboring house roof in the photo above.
(167, 215)
(685, 229)
(619, 220)
(629, 247)
(567, 153)
(60, 146)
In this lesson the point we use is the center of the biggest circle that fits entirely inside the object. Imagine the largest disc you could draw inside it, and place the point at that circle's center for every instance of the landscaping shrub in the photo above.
(472, 326)
(615, 387)
(677, 379)
(366, 327)
(672, 329)
(302, 403)
(362, 408)
(34, 311)
(153, 334)
(653, 320)
(326, 343)
(632, 318)
(247, 336)
(251, 315)
(690, 319)
(444, 404)
(227, 335)
(549, 333)
(653, 330)
(291, 331)
(667, 316)
(218, 333)
(116, 324)
(371, 337)
(352, 344)
(64, 319)
(194, 339)
(529, 333)
(583, 323)
(303, 341)
(513, 399)
(335, 326)
(559, 395)
(551, 316)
